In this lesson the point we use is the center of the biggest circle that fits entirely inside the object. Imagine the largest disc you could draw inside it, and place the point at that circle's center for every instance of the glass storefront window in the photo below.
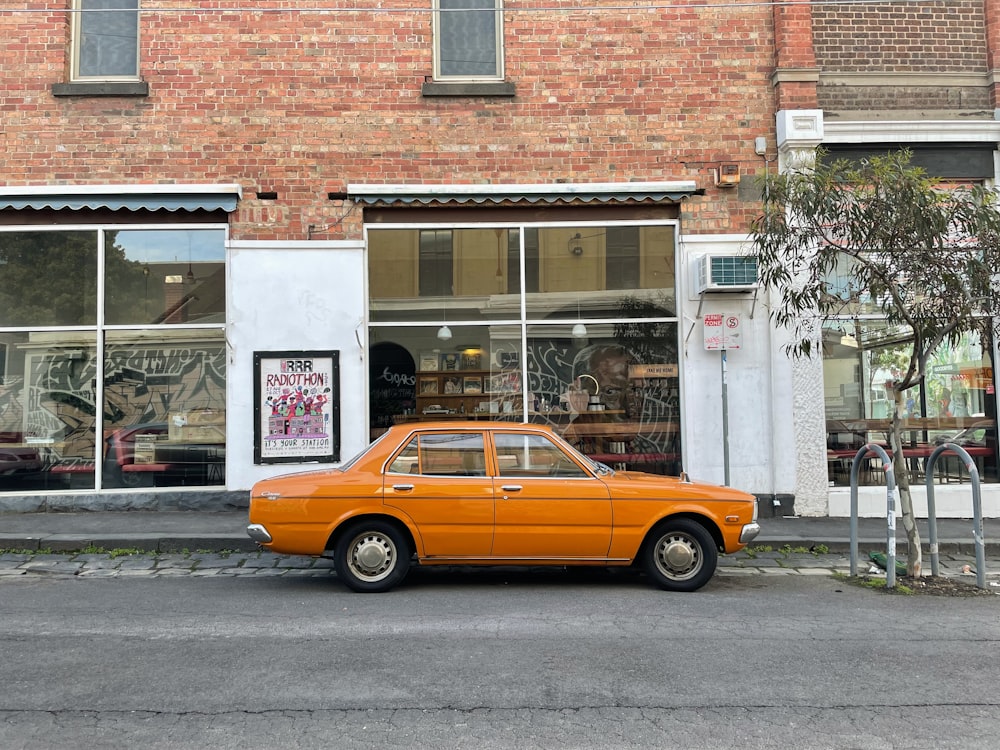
(127, 391)
(573, 326)
(47, 411)
(165, 408)
(48, 278)
(956, 403)
(164, 276)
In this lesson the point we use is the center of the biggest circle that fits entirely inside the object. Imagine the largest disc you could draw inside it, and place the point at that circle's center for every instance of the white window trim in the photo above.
(498, 10)
(76, 35)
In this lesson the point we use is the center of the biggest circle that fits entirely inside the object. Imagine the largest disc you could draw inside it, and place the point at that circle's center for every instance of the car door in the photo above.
(439, 480)
(547, 505)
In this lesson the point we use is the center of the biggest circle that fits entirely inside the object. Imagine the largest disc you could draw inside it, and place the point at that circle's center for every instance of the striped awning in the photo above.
(603, 192)
(122, 197)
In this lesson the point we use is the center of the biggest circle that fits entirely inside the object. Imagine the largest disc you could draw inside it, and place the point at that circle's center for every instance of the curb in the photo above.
(151, 542)
(239, 542)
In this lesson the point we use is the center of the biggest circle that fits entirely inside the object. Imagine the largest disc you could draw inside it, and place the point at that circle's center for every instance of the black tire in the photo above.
(680, 555)
(372, 556)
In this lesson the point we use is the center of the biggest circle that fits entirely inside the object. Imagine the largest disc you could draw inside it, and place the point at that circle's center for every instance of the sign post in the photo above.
(722, 333)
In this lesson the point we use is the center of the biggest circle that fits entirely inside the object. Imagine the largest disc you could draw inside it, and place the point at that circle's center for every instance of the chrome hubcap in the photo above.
(678, 556)
(372, 556)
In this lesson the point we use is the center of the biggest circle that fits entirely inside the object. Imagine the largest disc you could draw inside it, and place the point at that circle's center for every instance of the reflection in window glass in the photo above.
(467, 38)
(533, 456)
(48, 278)
(956, 402)
(458, 454)
(408, 461)
(164, 277)
(165, 408)
(622, 262)
(108, 41)
(435, 263)
(47, 411)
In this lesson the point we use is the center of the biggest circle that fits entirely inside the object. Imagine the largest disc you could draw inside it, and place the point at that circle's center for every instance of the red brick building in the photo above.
(335, 178)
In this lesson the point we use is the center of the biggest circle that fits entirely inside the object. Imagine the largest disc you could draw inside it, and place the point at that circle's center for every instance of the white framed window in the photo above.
(105, 40)
(468, 40)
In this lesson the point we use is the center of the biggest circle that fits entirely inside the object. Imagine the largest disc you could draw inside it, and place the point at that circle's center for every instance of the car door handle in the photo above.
(510, 487)
(402, 487)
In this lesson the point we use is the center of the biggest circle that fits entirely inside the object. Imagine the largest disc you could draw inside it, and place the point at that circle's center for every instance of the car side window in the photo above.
(533, 456)
(459, 454)
(408, 461)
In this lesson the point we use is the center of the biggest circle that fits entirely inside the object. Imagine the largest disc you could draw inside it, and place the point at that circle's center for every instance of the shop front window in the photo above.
(572, 326)
(956, 402)
(126, 391)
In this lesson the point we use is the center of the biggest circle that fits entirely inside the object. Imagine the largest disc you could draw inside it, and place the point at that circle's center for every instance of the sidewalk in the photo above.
(198, 530)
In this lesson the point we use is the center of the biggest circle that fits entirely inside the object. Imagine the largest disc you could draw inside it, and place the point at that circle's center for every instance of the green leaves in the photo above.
(878, 237)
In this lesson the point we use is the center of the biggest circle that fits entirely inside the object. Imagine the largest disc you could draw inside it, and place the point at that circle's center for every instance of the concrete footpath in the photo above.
(171, 531)
(198, 543)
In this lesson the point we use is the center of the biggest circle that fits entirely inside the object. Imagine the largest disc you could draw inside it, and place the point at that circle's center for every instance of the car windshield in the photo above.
(348, 464)
(602, 469)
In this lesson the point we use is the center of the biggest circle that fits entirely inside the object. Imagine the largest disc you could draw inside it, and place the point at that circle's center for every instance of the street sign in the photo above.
(722, 332)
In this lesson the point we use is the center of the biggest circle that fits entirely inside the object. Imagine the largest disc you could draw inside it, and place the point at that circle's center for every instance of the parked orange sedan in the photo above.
(496, 493)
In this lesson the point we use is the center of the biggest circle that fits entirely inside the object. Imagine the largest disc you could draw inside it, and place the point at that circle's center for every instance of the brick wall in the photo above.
(946, 36)
(304, 103)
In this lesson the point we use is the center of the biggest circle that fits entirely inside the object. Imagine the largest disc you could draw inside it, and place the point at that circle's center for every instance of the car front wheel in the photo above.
(680, 555)
(372, 556)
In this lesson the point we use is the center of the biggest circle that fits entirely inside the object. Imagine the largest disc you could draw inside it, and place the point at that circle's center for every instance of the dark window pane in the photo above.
(436, 267)
(530, 261)
(108, 41)
(623, 258)
(48, 418)
(48, 278)
(467, 41)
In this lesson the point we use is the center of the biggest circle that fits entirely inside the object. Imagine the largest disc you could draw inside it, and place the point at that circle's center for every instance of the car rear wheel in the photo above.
(372, 556)
(680, 555)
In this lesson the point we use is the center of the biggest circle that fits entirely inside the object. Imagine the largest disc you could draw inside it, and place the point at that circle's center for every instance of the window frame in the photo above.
(76, 43)
(438, 76)
(104, 333)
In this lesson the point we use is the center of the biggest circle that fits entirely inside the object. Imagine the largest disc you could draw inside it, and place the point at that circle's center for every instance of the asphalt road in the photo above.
(492, 659)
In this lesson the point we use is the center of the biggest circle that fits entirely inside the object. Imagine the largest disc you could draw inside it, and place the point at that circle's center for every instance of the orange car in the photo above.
(491, 493)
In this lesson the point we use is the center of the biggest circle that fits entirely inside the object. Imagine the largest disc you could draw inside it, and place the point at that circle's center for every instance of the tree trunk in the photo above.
(902, 474)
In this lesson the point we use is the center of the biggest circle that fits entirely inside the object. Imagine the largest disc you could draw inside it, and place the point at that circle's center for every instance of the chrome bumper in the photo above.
(749, 533)
(258, 533)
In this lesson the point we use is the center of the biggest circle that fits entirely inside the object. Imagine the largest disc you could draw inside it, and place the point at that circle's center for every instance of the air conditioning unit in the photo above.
(727, 273)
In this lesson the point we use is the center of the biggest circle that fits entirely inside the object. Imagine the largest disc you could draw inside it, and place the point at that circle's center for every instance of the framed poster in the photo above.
(296, 407)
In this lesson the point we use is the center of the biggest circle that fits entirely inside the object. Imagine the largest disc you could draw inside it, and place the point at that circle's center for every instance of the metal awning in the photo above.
(597, 192)
(122, 197)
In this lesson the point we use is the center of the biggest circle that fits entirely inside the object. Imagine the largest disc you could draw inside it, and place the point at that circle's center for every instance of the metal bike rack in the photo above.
(890, 510)
(977, 509)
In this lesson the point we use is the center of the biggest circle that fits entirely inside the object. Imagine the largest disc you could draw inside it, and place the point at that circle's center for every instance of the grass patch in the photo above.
(874, 584)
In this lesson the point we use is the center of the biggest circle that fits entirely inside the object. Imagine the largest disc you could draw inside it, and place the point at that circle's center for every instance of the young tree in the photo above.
(882, 237)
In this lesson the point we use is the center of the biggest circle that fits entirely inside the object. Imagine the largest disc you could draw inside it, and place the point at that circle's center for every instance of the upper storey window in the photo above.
(105, 40)
(468, 40)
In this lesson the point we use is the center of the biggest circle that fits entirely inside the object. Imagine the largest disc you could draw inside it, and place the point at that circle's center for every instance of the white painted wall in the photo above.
(293, 296)
(759, 385)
